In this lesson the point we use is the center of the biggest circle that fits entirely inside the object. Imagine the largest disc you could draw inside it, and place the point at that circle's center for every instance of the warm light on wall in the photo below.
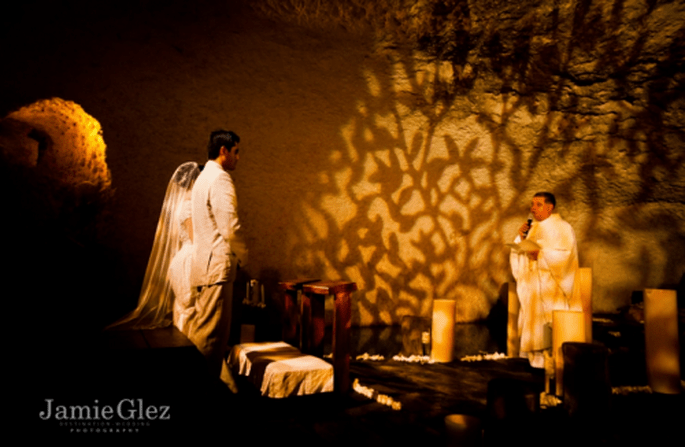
(430, 168)
(75, 155)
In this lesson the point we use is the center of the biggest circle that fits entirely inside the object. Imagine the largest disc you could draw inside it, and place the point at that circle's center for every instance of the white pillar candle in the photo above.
(513, 305)
(255, 291)
(443, 330)
(582, 299)
(662, 346)
(586, 300)
(567, 325)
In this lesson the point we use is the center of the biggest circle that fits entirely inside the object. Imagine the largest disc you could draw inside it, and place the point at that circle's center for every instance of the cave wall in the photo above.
(400, 153)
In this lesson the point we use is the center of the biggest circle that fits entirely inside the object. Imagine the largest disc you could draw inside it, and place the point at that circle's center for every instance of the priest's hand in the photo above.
(533, 255)
(523, 231)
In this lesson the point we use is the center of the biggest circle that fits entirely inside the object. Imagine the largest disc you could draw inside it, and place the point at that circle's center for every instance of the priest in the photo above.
(544, 268)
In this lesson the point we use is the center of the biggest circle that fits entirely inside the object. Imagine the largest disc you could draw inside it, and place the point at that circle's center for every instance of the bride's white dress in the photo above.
(179, 272)
(165, 296)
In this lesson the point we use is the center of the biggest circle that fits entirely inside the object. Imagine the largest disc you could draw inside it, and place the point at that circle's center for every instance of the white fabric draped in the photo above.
(546, 284)
(171, 248)
(281, 370)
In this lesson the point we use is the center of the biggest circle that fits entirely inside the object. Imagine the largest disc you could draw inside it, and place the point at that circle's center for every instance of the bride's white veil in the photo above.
(155, 303)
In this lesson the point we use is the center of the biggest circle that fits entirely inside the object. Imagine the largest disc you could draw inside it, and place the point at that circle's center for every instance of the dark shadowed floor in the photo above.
(139, 374)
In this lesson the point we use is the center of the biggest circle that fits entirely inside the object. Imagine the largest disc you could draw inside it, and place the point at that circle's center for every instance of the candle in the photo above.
(513, 305)
(586, 300)
(567, 325)
(255, 291)
(261, 297)
(582, 299)
(662, 346)
(443, 330)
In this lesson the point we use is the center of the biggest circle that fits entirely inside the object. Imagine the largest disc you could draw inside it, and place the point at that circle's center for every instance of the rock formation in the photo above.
(395, 144)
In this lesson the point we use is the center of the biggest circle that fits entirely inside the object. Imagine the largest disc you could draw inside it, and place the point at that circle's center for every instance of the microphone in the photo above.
(530, 221)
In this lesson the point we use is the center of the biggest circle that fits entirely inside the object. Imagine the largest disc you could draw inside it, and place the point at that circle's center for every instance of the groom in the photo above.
(218, 250)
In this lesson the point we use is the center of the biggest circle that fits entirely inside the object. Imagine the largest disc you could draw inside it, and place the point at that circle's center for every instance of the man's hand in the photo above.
(524, 230)
(533, 255)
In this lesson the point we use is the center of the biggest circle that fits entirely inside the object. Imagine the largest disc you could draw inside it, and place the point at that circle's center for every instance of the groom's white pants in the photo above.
(210, 327)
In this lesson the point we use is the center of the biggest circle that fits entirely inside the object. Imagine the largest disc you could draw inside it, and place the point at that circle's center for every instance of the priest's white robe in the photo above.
(545, 285)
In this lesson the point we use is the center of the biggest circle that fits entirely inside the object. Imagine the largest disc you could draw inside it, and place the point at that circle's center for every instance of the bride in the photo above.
(166, 296)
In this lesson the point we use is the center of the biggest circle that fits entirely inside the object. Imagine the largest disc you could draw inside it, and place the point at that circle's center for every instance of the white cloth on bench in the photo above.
(279, 370)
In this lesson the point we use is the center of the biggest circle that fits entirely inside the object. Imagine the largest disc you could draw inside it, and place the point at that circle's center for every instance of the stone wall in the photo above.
(397, 147)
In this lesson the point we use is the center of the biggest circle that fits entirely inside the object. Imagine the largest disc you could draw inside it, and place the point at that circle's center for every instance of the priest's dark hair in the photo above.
(549, 197)
(219, 138)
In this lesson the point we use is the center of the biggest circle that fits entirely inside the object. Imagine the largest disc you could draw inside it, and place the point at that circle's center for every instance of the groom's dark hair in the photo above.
(218, 138)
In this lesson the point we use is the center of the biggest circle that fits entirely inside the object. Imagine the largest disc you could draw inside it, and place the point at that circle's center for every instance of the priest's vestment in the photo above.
(544, 285)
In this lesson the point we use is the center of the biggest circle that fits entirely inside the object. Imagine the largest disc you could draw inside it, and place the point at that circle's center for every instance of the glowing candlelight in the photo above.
(662, 346)
(443, 330)
(513, 305)
(582, 299)
(567, 325)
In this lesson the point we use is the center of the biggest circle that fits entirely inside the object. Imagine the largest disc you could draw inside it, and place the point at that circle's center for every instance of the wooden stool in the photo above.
(291, 313)
(313, 325)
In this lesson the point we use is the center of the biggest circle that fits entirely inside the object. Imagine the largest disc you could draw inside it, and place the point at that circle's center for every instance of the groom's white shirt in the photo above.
(217, 237)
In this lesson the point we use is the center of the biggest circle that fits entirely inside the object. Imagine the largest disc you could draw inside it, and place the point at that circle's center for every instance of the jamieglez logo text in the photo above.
(125, 409)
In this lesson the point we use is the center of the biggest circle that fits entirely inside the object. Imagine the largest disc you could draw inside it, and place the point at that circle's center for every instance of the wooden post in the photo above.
(291, 313)
(313, 295)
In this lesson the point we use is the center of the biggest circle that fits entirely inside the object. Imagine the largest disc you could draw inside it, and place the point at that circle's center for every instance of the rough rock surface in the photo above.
(397, 147)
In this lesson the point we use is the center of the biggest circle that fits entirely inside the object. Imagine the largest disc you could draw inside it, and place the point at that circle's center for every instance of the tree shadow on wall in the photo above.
(428, 226)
